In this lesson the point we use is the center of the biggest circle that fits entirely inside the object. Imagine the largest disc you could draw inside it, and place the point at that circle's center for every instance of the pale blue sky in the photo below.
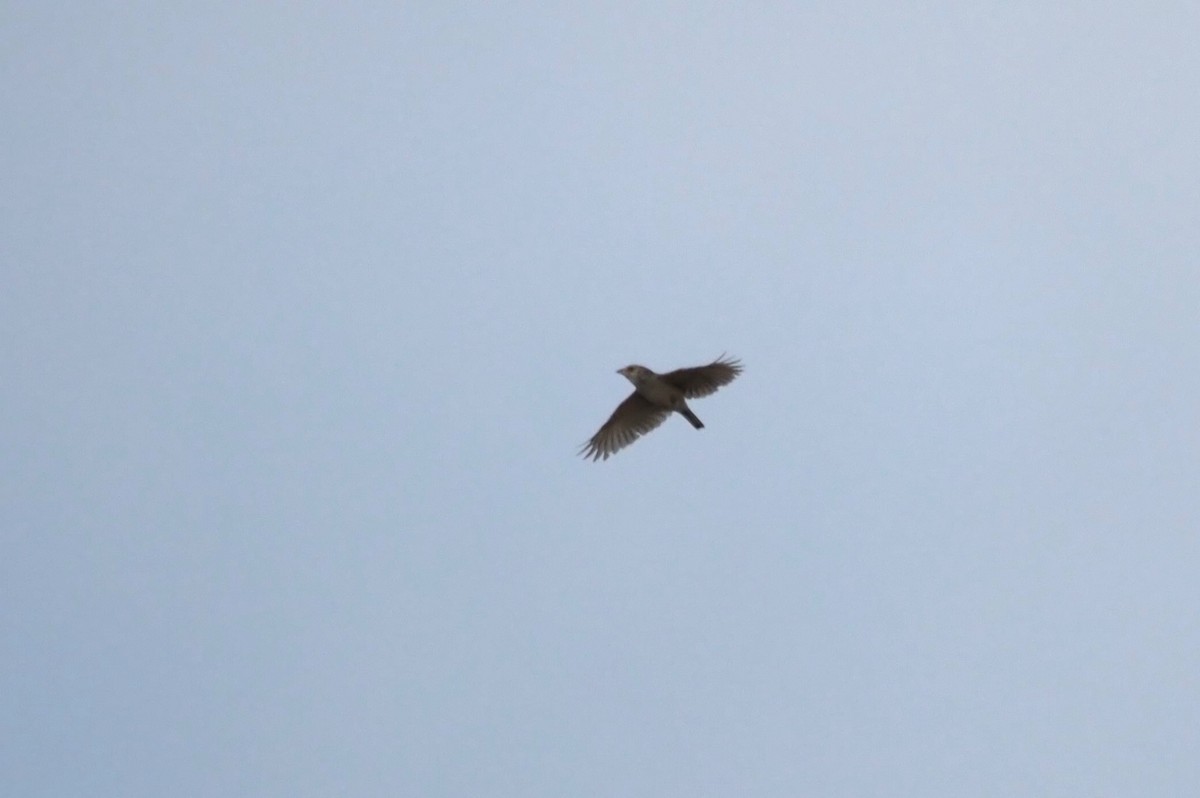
(307, 309)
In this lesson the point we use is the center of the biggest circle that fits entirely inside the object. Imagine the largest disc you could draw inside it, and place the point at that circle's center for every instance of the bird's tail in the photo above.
(686, 412)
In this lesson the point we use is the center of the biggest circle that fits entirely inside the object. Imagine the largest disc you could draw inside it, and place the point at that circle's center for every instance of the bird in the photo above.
(654, 398)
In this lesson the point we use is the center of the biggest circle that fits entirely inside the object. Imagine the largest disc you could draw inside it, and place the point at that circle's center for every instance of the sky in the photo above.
(307, 309)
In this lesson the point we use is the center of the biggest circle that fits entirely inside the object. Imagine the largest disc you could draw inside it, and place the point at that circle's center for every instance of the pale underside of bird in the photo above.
(654, 398)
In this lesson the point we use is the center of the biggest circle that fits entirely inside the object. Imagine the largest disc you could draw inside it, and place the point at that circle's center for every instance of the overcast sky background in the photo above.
(307, 308)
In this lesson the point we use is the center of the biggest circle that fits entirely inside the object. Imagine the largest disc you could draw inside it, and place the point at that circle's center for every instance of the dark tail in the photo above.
(691, 417)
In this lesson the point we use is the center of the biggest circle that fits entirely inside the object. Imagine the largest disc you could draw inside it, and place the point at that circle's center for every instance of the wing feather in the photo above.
(701, 381)
(632, 419)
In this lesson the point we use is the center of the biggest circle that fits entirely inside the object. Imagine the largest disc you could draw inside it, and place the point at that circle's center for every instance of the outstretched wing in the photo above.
(632, 419)
(703, 380)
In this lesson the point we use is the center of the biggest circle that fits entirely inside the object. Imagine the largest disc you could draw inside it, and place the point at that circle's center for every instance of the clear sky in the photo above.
(307, 308)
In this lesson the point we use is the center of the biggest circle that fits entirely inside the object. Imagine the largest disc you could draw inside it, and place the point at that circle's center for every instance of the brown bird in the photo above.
(654, 397)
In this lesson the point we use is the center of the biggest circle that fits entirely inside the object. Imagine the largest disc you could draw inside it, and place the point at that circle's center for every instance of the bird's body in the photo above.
(654, 398)
(659, 392)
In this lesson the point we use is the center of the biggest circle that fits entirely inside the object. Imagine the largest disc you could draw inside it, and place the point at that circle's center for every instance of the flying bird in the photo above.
(654, 398)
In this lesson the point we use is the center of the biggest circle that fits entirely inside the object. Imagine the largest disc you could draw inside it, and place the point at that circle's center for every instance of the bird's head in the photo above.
(634, 373)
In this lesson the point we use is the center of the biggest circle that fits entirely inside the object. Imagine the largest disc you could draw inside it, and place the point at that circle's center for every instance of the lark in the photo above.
(654, 398)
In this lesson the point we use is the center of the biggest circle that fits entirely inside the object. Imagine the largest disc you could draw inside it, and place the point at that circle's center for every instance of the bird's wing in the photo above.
(632, 419)
(702, 380)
